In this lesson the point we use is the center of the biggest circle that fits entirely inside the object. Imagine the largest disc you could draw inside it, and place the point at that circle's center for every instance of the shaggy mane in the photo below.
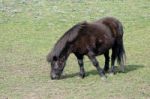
(68, 36)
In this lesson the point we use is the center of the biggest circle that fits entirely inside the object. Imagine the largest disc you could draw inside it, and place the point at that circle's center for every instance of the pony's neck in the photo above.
(65, 53)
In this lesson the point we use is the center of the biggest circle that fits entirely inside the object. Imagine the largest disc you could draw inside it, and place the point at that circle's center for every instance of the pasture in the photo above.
(30, 28)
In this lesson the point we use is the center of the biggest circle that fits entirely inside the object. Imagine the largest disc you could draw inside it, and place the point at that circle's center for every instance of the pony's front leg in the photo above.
(81, 65)
(96, 64)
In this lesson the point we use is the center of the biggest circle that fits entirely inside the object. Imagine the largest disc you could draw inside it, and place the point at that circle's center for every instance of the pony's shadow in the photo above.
(128, 68)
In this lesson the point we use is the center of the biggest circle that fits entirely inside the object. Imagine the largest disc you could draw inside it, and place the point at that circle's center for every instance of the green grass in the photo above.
(30, 28)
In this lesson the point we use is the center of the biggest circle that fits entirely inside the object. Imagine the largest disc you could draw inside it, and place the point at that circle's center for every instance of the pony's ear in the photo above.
(48, 57)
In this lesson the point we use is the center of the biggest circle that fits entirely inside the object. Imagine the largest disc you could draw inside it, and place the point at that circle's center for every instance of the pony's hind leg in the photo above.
(106, 66)
(113, 58)
(81, 65)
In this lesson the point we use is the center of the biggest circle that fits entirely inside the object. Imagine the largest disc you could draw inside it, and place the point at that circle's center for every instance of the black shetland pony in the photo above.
(91, 39)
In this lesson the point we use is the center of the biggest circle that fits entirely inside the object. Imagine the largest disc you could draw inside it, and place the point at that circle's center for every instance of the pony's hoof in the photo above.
(106, 70)
(111, 74)
(82, 75)
(103, 78)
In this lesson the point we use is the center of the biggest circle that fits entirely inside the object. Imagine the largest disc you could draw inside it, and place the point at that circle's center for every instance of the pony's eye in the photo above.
(55, 58)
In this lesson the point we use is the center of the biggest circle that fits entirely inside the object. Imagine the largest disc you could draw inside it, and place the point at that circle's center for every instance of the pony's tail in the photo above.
(119, 48)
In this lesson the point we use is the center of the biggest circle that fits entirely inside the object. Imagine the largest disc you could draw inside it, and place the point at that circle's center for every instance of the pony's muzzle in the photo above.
(54, 76)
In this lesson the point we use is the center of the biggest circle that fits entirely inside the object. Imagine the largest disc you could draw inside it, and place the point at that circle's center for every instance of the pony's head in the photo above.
(57, 66)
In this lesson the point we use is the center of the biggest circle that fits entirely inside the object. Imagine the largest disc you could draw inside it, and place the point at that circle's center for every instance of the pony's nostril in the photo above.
(54, 76)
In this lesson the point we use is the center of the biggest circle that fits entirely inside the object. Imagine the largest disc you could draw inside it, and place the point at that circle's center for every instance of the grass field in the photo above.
(30, 28)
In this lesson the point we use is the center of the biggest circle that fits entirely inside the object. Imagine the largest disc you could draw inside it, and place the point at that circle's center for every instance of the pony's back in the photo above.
(114, 24)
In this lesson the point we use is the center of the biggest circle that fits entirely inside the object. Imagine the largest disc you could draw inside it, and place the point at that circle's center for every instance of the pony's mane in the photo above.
(68, 37)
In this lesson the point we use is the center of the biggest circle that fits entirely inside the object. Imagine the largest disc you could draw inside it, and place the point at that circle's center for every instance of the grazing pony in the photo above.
(91, 39)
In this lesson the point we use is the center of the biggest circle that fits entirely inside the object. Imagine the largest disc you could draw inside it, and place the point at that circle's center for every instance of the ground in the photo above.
(30, 28)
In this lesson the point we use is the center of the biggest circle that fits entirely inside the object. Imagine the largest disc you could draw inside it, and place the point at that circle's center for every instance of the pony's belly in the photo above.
(82, 51)
(102, 49)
